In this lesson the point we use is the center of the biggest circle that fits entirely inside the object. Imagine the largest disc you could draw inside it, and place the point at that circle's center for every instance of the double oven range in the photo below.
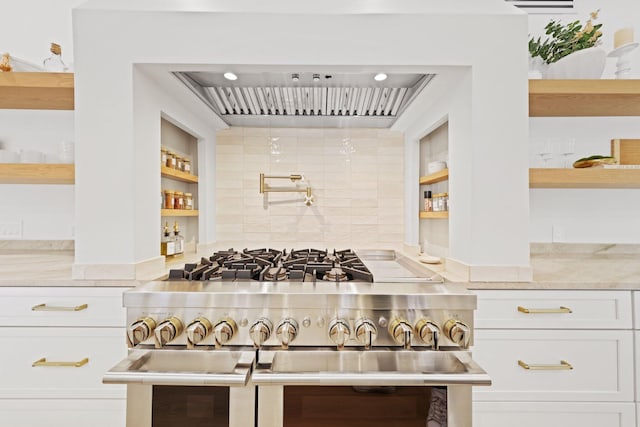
(302, 338)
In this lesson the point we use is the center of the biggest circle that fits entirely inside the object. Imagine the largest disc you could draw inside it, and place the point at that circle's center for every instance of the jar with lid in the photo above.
(428, 201)
(187, 165)
(445, 201)
(179, 200)
(163, 156)
(171, 160)
(179, 163)
(437, 202)
(169, 199)
(188, 201)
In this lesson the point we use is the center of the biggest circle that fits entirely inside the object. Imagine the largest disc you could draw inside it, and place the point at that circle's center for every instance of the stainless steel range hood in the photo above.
(306, 99)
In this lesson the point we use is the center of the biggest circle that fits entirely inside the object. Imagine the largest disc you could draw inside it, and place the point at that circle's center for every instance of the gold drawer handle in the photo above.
(563, 366)
(45, 307)
(43, 362)
(562, 309)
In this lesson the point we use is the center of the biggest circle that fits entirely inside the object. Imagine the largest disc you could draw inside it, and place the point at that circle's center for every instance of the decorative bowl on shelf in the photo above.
(436, 166)
(583, 64)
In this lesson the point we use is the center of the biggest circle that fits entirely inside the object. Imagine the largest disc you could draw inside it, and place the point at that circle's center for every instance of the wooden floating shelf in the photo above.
(178, 175)
(434, 215)
(178, 212)
(37, 173)
(584, 178)
(573, 98)
(37, 91)
(442, 175)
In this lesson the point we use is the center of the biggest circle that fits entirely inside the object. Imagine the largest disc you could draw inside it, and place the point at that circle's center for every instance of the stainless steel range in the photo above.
(299, 338)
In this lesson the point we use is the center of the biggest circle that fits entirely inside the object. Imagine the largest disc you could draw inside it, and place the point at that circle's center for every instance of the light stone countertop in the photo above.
(582, 267)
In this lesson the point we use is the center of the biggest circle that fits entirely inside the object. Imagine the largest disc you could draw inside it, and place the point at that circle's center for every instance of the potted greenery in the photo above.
(571, 51)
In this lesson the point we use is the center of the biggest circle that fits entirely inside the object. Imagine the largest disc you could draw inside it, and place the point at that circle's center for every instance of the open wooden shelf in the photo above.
(37, 173)
(178, 175)
(178, 212)
(442, 175)
(584, 178)
(573, 98)
(434, 215)
(36, 91)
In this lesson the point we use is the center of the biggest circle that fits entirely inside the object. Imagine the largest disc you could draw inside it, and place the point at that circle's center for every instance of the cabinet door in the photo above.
(597, 365)
(22, 347)
(63, 412)
(68, 306)
(553, 309)
(553, 414)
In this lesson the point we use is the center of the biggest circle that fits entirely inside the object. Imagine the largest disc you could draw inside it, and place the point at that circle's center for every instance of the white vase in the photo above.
(583, 64)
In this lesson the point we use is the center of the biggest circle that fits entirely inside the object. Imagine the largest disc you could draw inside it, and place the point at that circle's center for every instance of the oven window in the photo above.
(317, 406)
(176, 406)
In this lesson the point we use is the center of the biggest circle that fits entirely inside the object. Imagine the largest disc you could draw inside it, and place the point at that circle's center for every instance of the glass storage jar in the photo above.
(179, 163)
(171, 160)
(169, 199)
(179, 200)
(188, 201)
(187, 165)
(163, 156)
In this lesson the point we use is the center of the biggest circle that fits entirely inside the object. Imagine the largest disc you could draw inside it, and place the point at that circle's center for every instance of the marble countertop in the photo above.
(554, 267)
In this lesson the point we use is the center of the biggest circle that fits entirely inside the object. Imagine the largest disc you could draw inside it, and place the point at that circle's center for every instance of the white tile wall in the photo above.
(356, 176)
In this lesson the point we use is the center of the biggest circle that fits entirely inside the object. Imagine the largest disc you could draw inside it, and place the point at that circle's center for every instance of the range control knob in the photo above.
(429, 332)
(287, 331)
(339, 332)
(140, 330)
(197, 331)
(401, 331)
(366, 332)
(224, 331)
(457, 332)
(167, 330)
(260, 331)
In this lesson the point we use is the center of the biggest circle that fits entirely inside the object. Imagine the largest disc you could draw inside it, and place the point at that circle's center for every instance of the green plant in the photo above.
(566, 39)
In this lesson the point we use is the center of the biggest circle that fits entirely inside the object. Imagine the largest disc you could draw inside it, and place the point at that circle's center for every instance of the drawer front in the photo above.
(601, 364)
(554, 310)
(63, 413)
(62, 307)
(553, 414)
(103, 347)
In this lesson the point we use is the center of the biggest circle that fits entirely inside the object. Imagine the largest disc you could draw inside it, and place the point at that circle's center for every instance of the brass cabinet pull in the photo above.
(43, 362)
(45, 307)
(562, 309)
(563, 366)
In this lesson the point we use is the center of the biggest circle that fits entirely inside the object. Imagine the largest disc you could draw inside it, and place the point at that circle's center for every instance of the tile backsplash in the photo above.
(356, 177)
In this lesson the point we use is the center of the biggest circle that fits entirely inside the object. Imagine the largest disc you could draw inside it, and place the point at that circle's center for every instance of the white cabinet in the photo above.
(552, 414)
(556, 358)
(57, 345)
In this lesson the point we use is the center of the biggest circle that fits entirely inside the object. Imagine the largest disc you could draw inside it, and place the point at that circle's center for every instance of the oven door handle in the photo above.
(139, 368)
(470, 374)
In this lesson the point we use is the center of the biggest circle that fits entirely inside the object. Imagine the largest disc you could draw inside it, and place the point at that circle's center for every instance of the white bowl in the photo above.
(583, 64)
(437, 166)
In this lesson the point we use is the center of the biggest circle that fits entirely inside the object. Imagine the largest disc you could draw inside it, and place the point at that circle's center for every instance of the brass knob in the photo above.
(400, 331)
(458, 332)
(167, 330)
(339, 332)
(140, 330)
(366, 332)
(224, 331)
(260, 331)
(287, 331)
(429, 332)
(197, 331)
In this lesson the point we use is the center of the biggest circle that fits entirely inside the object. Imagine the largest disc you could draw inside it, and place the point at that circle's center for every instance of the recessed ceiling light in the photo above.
(230, 76)
(380, 77)
(316, 77)
(295, 77)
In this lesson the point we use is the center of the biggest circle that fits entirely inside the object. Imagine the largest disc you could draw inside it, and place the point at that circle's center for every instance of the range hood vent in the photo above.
(346, 101)
(544, 6)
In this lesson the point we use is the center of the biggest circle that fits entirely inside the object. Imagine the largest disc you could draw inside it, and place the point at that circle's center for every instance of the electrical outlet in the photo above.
(557, 234)
(11, 230)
